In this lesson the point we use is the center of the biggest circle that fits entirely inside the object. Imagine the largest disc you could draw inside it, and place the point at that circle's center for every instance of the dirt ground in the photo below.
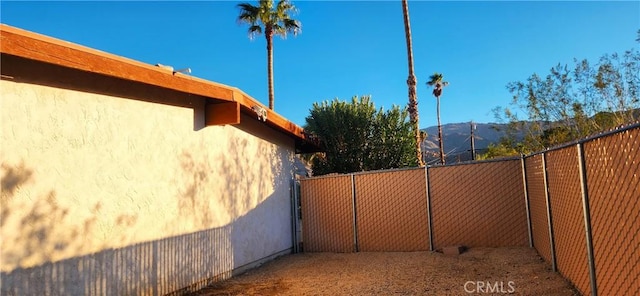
(478, 271)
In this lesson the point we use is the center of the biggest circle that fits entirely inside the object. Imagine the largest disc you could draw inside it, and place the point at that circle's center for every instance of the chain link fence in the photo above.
(391, 211)
(474, 205)
(537, 193)
(478, 205)
(613, 190)
(578, 205)
(567, 216)
(587, 196)
(327, 214)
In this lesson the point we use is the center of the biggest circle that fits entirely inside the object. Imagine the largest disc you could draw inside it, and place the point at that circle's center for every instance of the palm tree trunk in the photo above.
(411, 83)
(440, 131)
(269, 35)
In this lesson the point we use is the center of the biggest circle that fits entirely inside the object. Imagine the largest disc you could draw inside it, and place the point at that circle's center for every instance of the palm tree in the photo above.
(438, 84)
(273, 21)
(411, 83)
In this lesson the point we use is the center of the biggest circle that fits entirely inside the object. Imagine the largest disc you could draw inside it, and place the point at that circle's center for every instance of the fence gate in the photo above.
(327, 214)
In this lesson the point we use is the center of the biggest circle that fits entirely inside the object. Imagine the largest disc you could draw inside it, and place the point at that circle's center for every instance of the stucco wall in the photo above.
(113, 196)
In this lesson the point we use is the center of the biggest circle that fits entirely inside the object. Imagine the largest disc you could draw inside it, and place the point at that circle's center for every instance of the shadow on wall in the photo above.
(245, 177)
(39, 236)
(177, 264)
(150, 268)
(13, 178)
(255, 184)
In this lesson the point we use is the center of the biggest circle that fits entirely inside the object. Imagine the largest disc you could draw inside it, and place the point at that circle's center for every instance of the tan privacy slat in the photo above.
(538, 206)
(327, 214)
(568, 216)
(613, 178)
(483, 205)
(478, 205)
(392, 211)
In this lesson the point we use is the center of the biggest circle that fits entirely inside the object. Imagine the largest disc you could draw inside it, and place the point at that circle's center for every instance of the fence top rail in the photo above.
(413, 168)
(365, 173)
(587, 139)
(324, 177)
(472, 162)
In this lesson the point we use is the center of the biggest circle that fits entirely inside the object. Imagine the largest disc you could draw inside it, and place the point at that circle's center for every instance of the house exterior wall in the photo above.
(114, 196)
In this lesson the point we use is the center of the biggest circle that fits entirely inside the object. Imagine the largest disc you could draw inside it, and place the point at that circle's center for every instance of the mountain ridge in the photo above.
(456, 136)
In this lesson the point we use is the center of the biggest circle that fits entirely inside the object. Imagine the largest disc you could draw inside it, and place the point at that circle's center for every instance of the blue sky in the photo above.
(350, 48)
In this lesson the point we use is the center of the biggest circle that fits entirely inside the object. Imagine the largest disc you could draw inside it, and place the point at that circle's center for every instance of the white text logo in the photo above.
(489, 287)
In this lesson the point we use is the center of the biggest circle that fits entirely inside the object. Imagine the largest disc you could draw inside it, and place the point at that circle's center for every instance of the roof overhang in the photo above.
(224, 103)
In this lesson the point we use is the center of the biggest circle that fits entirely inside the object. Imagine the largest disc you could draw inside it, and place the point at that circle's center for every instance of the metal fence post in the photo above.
(549, 220)
(293, 215)
(526, 200)
(355, 217)
(587, 218)
(296, 217)
(426, 177)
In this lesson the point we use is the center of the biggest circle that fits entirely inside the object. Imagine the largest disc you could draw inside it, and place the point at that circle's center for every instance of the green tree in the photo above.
(273, 21)
(411, 83)
(358, 137)
(497, 151)
(438, 85)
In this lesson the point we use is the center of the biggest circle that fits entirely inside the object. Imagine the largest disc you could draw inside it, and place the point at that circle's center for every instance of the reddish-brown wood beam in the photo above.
(40, 48)
(222, 113)
(46, 49)
(273, 118)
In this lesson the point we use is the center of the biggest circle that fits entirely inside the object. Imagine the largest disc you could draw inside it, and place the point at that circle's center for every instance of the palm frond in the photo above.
(269, 19)
(287, 26)
(438, 84)
(254, 30)
(285, 7)
(266, 4)
(248, 13)
(277, 29)
(435, 79)
(292, 26)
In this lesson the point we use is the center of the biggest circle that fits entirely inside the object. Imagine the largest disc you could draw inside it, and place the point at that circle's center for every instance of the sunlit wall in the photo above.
(115, 196)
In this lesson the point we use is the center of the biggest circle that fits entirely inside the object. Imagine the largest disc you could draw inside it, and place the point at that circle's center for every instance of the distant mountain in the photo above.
(457, 139)
(457, 144)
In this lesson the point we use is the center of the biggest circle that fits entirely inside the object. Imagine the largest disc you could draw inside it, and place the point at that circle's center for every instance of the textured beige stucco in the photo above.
(106, 195)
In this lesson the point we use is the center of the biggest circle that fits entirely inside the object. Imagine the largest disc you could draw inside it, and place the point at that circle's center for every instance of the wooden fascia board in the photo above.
(29, 45)
(273, 118)
(49, 50)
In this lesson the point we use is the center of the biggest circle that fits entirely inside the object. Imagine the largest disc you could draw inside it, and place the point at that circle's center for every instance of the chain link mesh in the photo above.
(478, 205)
(482, 204)
(567, 215)
(613, 168)
(536, 191)
(327, 214)
(391, 211)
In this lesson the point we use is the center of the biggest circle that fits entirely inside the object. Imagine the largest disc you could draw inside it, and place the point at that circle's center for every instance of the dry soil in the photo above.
(478, 271)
